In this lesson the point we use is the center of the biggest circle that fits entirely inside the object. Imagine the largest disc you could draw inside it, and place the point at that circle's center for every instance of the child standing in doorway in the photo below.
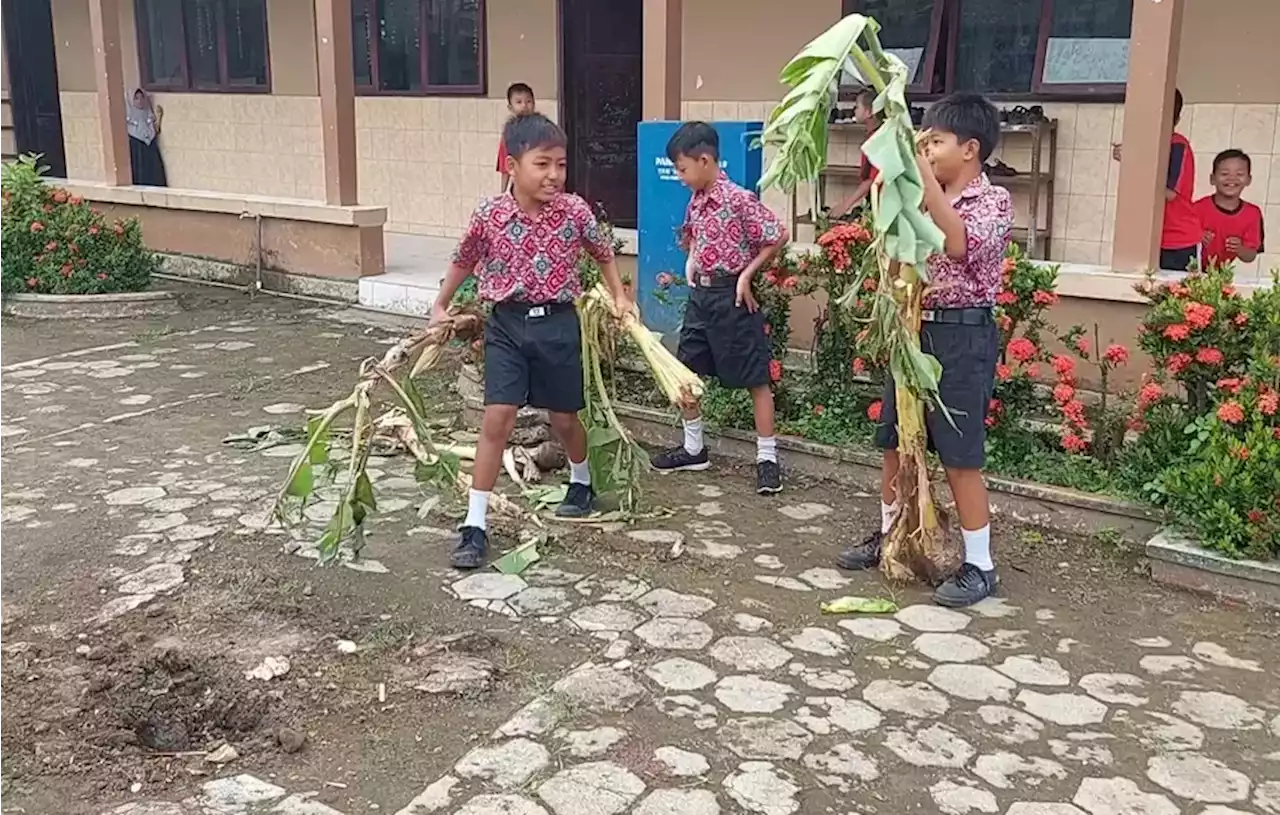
(524, 246)
(519, 102)
(730, 236)
(959, 329)
(1232, 226)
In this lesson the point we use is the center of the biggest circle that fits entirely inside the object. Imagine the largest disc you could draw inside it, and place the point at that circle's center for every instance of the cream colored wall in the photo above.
(522, 47)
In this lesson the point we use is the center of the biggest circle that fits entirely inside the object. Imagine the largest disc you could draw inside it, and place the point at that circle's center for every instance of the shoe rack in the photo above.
(1034, 182)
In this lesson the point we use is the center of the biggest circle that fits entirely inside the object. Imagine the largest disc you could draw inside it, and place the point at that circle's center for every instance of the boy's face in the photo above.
(539, 173)
(520, 103)
(697, 172)
(864, 115)
(949, 155)
(1231, 177)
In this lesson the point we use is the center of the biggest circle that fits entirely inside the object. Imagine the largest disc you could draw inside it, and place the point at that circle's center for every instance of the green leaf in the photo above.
(302, 482)
(859, 605)
(600, 435)
(364, 491)
(518, 559)
(318, 440)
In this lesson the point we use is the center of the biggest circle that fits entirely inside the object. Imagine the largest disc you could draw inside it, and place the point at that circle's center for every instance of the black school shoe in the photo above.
(579, 502)
(768, 478)
(968, 586)
(469, 551)
(678, 458)
(863, 556)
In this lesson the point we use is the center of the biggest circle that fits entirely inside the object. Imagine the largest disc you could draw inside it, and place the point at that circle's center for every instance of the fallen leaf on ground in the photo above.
(859, 605)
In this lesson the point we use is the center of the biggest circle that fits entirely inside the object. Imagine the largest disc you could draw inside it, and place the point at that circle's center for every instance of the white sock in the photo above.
(767, 449)
(888, 514)
(477, 508)
(977, 547)
(693, 436)
(580, 472)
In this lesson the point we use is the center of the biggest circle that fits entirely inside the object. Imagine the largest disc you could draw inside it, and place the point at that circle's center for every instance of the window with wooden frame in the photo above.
(419, 47)
(203, 45)
(1010, 48)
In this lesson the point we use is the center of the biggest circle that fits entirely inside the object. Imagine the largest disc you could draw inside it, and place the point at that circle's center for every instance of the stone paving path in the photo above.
(708, 695)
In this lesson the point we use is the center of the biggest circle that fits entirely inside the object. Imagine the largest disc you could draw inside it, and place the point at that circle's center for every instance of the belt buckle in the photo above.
(537, 311)
(928, 315)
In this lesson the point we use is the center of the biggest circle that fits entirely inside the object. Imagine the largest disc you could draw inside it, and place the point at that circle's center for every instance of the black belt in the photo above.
(979, 316)
(714, 281)
(531, 309)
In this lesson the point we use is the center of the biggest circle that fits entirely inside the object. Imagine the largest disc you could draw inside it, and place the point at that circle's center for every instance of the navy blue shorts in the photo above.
(720, 339)
(968, 354)
(533, 356)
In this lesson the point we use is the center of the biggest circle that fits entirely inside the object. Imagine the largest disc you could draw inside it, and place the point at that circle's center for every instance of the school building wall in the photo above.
(429, 159)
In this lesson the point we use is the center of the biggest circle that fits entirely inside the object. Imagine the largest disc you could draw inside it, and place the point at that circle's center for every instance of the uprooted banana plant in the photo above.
(406, 424)
(904, 238)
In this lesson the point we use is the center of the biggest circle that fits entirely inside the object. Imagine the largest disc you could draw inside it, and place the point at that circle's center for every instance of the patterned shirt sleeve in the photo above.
(987, 226)
(474, 244)
(764, 228)
(594, 240)
(685, 233)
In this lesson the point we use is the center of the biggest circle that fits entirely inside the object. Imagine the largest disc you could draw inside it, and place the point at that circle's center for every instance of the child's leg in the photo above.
(495, 430)
(694, 352)
(573, 437)
(866, 555)
(972, 505)
(889, 504)
(762, 408)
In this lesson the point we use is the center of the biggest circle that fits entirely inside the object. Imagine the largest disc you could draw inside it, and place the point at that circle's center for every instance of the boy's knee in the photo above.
(563, 423)
(498, 421)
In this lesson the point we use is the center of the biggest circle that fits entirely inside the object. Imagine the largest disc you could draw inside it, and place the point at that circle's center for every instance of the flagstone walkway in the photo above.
(711, 682)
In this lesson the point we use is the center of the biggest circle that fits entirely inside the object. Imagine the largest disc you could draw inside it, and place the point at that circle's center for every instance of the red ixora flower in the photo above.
(768, 329)
(665, 279)
(1136, 424)
(1242, 453)
(32, 282)
(1209, 356)
(75, 200)
(869, 284)
(1149, 393)
(789, 283)
(36, 226)
(1003, 372)
(1241, 319)
(101, 275)
(775, 370)
(1074, 412)
(1021, 349)
(1044, 298)
(1063, 393)
(1033, 371)
(1255, 516)
(1008, 266)
(1116, 354)
(1231, 412)
(1177, 290)
(1268, 403)
(1064, 367)
(859, 365)
(1083, 347)
(994, 406)
(1073, 443)
(118, 228)
(1006, 298)
(1005, 322)
(1198, 315)
(874, 409)
(1228, 290)
(1231, 384)
(61, 196)
(818, 410)
(93, 230)
(51, 246)
(1177, 363)
(1177, 332)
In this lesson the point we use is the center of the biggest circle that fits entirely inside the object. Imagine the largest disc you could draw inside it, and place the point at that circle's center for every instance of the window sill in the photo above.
(254, 91)
(446, 93)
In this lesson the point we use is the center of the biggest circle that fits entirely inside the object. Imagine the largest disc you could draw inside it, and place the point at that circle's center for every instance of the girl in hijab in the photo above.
(144, 120)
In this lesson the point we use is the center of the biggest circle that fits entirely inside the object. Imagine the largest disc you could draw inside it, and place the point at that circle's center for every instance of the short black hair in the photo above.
(517, 88)
(967, 116)
(1233, 152)
(694, 139)
(532, 130)
(867, 96)
(1177, 105)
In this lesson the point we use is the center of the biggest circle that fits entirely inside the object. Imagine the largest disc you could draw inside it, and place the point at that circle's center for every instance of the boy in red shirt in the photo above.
(1232, 226)
(524, 246)
(519, 102)
(868, 118)
(730, 236)
(1181, 232)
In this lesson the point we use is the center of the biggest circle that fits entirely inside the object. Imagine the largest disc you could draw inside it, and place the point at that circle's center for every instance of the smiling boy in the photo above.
(1233, 228)
(524, 246)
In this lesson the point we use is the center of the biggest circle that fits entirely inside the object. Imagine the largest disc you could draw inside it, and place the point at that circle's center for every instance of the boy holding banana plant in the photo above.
(729, 235)
(959, 329)
(524, 247)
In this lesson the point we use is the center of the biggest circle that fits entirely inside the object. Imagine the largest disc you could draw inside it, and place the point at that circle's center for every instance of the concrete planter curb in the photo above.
(92, 306)
(1177, 561)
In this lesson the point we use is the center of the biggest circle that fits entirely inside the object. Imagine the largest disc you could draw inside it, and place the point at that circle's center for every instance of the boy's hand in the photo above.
(621, 304)
(744, 295)
(1234, 245)
(1208, 237)
(439, 315)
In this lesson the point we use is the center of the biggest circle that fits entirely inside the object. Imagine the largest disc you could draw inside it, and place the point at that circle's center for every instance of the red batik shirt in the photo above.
(974, 280)
(531, 259)
(725, 227)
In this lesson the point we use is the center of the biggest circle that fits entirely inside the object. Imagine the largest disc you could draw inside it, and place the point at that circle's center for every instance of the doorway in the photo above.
(33, 82)
(601, 55)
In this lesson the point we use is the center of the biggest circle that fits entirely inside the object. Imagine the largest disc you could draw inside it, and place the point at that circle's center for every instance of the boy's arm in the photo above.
(599, 246)
(471, 250)
(1177, 166)
(939, 207)
(1251, 243)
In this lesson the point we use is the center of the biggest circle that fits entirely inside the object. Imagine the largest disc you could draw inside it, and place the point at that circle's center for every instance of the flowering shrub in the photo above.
(1028, 290)
(1227, 491)
(1099, 427)
(1196, 330)
(846, 250)
(53, 242)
